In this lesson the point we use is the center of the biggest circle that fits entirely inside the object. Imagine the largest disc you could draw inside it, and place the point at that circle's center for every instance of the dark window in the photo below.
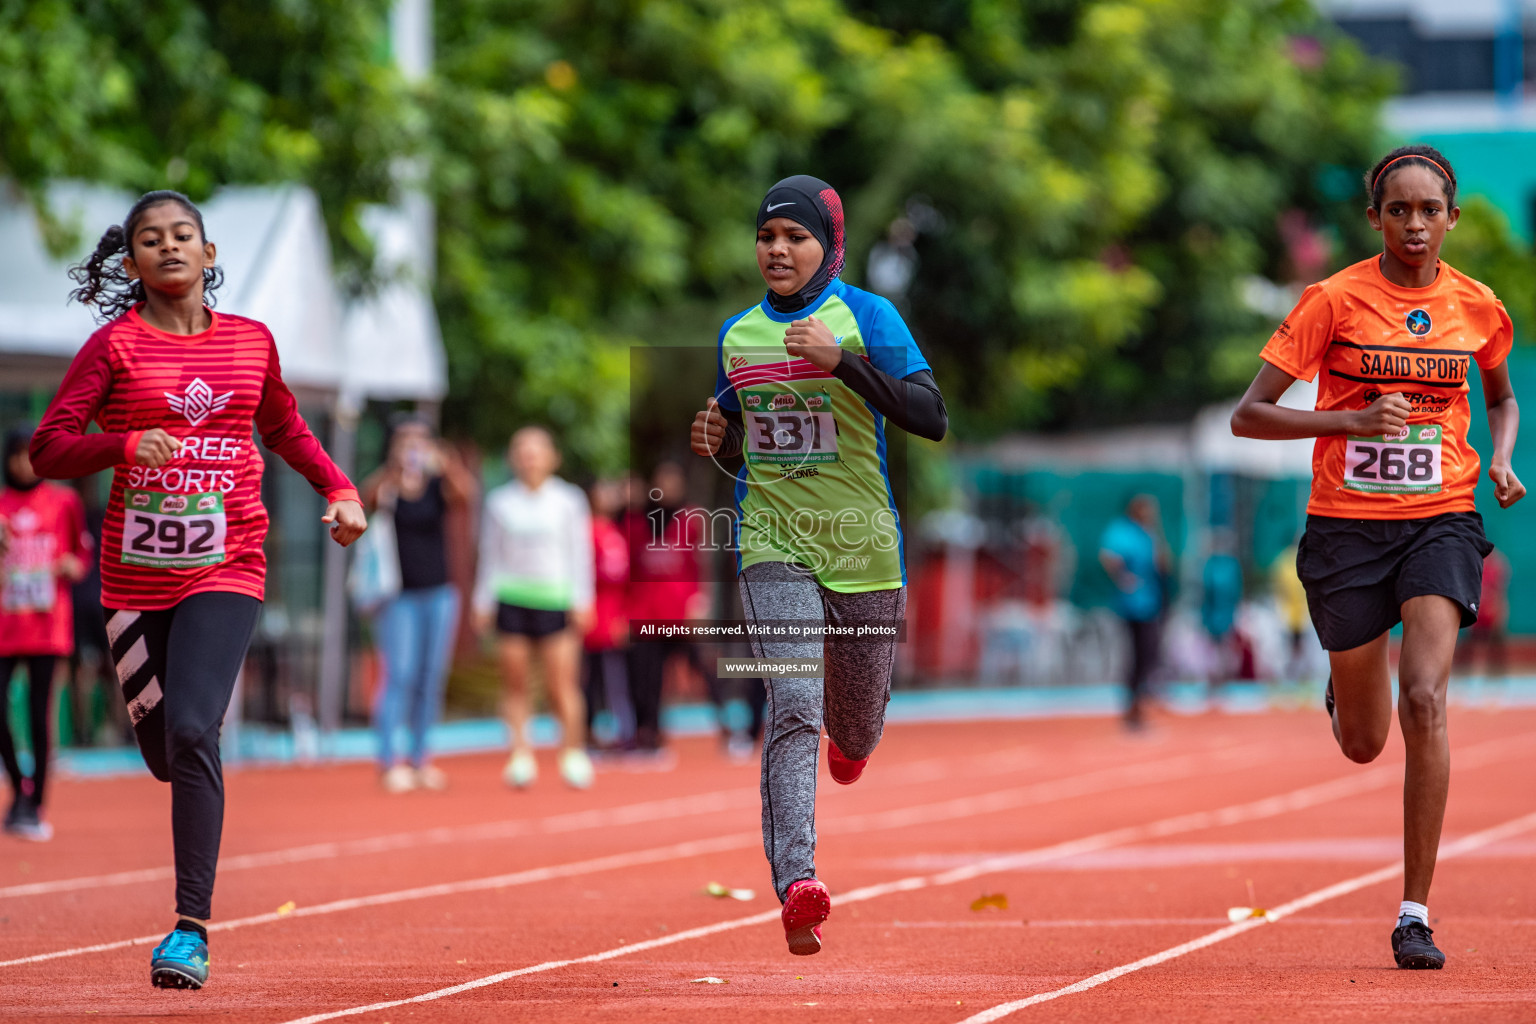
(1430, 63)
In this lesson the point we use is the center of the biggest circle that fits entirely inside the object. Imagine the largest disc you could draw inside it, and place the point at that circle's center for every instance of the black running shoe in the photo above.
(1413, 947)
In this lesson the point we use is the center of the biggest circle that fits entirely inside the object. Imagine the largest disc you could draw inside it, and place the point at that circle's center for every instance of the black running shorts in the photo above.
(515, 620)
(1358, 572)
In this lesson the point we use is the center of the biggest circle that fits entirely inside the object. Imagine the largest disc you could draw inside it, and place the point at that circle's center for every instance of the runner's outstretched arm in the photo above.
(913, 403)
(1504, 425)
(61, 448)
(1260, 415)
(285, 434)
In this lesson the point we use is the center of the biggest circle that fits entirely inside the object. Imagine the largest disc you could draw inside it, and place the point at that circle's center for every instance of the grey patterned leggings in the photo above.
(853, 697)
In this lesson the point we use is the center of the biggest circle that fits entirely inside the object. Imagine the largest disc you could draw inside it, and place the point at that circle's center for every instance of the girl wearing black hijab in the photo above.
(807, 380)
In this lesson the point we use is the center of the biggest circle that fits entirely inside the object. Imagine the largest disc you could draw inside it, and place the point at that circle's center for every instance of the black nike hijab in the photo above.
(815, 206)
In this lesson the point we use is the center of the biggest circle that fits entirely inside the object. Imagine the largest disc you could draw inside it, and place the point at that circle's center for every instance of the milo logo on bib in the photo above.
(1407, 462)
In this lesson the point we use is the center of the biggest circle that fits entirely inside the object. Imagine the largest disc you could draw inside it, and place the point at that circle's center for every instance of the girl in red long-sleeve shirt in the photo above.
(42, 544)
(175, 388)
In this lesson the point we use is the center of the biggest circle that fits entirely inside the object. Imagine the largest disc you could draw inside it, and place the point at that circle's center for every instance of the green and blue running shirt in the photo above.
(814, 486)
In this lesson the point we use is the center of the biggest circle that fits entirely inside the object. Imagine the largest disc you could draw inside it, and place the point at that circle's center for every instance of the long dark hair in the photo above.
(104, 283)
(1410, 156)
(17, 440)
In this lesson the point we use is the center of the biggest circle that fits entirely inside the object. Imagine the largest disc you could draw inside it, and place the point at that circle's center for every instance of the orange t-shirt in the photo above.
(1374, 337)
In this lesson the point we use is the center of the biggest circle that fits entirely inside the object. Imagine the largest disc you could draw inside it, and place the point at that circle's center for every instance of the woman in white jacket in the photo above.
(534, 586)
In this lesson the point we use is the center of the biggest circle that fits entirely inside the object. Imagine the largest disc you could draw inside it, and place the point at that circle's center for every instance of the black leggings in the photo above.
(177, 667)
(647, 672)
(40, 687)
(1146, 639)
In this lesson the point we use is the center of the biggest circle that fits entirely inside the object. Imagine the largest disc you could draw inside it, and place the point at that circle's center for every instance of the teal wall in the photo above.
(1498, 165)
(1512, 530)
(1082, 504)
(1501, 165)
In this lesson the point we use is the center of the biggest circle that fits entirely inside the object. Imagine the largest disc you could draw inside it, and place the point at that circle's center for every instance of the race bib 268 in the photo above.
(1405, 463)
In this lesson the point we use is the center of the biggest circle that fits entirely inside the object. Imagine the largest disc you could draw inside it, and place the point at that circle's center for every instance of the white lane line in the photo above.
(1269, 807)
(632, 814)
(1106, 922)
(1158, 922)
(1470, 842)
(929, 770)
(656, 855)
(1128, 775)
(1101, 781)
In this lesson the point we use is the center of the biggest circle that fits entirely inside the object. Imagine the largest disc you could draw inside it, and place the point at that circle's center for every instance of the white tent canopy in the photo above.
(392, 340)
(277, 269)
(1216, 450)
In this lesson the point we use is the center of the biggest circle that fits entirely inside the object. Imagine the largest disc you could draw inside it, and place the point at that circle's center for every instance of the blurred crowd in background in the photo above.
(464, 219)
(998, 600)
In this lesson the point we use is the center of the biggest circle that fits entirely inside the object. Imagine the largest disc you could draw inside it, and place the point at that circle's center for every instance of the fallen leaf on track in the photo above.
(721, 892)
(288, 908)
(990, 901)
(710, 981)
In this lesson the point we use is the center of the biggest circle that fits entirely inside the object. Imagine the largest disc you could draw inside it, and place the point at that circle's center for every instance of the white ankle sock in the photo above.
(1415, 910)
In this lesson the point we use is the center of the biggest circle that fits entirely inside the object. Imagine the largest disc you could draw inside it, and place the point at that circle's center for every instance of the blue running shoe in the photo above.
(180, 961)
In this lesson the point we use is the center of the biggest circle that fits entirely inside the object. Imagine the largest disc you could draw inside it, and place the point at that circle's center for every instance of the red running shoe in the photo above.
(843, 769)
(806, 906)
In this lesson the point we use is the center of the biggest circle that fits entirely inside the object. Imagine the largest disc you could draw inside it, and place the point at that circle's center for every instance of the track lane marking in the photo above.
(695, 848)
(633, 814)
(671, 808)
(1298, 799)
(1108, 779)
(1463, 845)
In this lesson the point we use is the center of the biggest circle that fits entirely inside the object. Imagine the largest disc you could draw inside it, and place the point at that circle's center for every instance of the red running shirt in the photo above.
(610, 605)
(196, 524)
(44, 524)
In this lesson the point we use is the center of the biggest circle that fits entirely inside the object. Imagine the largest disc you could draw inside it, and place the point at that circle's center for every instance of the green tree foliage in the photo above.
(1484, 246)
(1209, 121)
(600, 165)
(192, 95)
(1099, 179)
(1095, 184)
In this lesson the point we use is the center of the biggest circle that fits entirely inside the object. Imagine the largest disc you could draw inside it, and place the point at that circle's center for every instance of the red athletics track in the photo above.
(1110, 849)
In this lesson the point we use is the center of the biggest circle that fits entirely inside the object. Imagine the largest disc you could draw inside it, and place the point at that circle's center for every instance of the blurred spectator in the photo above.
(1291, 603)
(42, 530)
(90, 664)
(1135, 558)
(666, 573)
(1221, 591)
(606, 671)
(1489, 634)
(420, 479)
(535, 588)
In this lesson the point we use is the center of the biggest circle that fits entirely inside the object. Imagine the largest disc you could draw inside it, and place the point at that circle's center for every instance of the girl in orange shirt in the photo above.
(1392, 532)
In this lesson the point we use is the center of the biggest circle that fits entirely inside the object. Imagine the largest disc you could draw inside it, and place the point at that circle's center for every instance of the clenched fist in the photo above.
(156, 448)
(708, 430)
(812, 340)
(1507, 487)
(346, 520)
(1386, 416)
